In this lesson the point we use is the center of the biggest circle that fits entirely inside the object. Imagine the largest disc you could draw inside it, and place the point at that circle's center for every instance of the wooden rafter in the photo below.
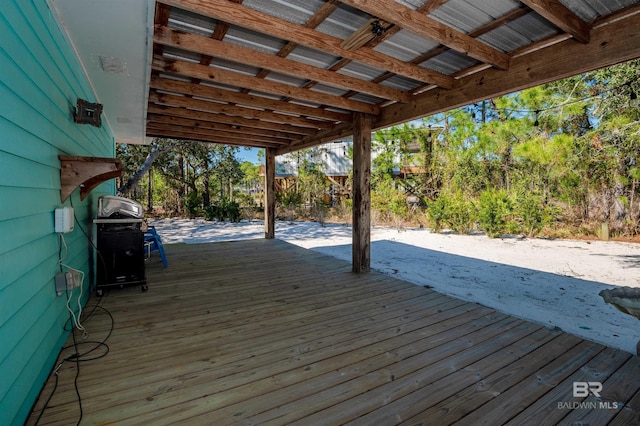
(427, 27)
(218, 134)
(562, 17)
(219, 108)
(609, 45)
(231, 120)
(203, 72)
(205, 98)
(321, 14)
(267, 24)
(208, 137)
(221, 127)
(229, 96)
(208, 46)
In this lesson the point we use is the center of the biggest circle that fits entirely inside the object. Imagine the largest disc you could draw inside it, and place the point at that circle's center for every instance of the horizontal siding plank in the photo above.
(21, 172)
(30, 108)
(57, 82)
(18, 262)
(24, 144)
(40, 81)
(24, 230)
(23, 203)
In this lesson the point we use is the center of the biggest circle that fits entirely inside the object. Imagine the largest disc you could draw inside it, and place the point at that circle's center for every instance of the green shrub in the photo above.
(223, 210)
(437, 212)
(453, 210)
(532, 214)
(461, 213)
(494, 212)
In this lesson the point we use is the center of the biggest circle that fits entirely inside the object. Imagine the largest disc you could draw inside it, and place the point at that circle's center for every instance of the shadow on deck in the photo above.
(261, 331)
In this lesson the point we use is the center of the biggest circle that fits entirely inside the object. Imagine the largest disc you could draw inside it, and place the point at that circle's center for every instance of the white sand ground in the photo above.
(551, 282)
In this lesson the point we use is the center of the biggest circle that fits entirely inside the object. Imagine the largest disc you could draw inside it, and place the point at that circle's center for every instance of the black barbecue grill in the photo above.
(120, 244)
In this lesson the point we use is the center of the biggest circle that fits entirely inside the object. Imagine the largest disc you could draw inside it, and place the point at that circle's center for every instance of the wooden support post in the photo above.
(361, 244)
(270, 194)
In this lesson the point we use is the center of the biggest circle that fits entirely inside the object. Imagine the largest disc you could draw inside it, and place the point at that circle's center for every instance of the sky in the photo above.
(250, 155)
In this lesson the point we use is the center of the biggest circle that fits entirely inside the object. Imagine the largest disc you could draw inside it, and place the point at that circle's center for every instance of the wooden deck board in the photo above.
(263, 332)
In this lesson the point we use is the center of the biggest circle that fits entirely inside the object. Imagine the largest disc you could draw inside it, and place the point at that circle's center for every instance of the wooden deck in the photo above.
(263, 332)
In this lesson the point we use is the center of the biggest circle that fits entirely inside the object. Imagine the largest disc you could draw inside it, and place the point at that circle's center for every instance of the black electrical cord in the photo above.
(55, 387)
(77, 356)
(80, 356)
(75, 380)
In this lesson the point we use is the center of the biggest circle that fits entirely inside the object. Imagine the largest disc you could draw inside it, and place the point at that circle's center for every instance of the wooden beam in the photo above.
(276, 27)
(185, 102)
(361, 238)
(210, 92)
(316, 19)
(205, 138)
(562, 17)
(240, 122)
(216, 48)
(215, 127)
(609, 45)
(613, 41)
(427, 27)
(240, 138)
(270, 194)
(217, 75)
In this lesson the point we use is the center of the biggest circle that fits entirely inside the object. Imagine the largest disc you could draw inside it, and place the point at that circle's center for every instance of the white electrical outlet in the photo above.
(64, 219)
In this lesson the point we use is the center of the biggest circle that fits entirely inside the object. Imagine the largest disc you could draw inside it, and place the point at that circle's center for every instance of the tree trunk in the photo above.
(144, 168)
(149, 194)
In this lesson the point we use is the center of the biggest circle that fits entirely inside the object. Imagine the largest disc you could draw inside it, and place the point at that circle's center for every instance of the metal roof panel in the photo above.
(405, 45)
(254, 40)
(588, 10)
(312, 57)
(343, 22)
(449, 62)
(296, 11)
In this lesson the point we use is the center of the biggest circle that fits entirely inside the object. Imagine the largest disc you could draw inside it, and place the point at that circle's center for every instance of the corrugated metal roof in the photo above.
(461, 15)
(405, 45)
(402, 83)
(331, 90)
(343, 22)
(450, 62)
(527, 29)
(286, 79)
(521, 27)
(254, 40)
(312, 57)
(588, 10)
(358, 70)
(296, 11)
(191, 22)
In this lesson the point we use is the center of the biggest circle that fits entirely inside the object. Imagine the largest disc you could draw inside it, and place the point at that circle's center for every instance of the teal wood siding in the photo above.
(40, 81)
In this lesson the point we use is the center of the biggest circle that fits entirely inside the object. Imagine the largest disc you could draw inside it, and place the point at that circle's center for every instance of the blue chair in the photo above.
(153, 242)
